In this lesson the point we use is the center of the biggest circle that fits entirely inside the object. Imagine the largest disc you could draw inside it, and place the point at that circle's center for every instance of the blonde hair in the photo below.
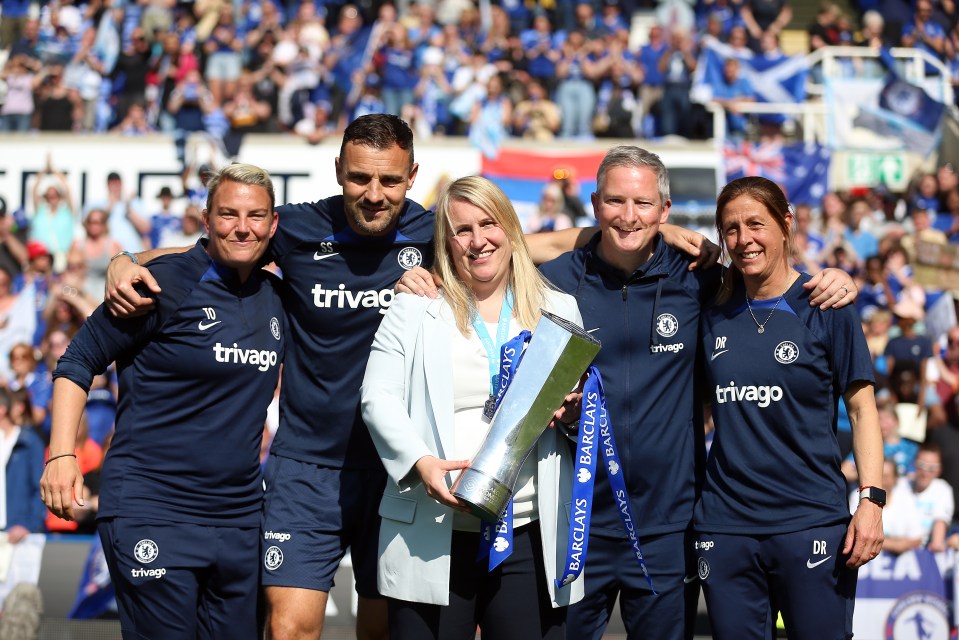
(528, 285)
(242, 174)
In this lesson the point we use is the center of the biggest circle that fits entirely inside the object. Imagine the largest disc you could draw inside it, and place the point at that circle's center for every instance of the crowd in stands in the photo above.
(480, 68)
(537, 70)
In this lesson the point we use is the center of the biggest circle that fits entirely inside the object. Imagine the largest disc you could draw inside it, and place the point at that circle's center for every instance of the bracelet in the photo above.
(62, 455)
(128, 254)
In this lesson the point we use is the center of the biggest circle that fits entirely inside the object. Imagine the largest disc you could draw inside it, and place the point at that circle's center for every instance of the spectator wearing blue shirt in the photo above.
(731, 92)
(923, 32)
(575, 92)
(677, 65)
(13, 21)
(651, 91)
(613, 19)
(165, 220)
(910, 351)
(345, 55)
(542, 50)
(23, 513)
(863, 242)
(724, 13)
(29, 43)
(396, 64)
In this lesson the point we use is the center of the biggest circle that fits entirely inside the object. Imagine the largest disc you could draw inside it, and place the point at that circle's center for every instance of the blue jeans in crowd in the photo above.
(394, 99)
(675, 109)
(577, 105)
(15, 122)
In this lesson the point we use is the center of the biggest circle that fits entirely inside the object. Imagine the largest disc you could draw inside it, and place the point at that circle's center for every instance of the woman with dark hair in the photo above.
(773, 525)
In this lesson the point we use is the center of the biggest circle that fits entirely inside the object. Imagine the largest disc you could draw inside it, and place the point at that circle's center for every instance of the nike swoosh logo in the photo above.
(323, 256)
(592, 330)
(718, 353)
(204, 326)
(688, 579)
(812, 565)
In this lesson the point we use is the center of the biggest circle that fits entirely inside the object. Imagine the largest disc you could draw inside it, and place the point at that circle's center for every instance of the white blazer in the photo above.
(407, 403)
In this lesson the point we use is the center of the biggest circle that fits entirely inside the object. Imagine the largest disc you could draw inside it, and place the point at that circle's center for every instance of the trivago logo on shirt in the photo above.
(343, 298)
(261, 359)
(762, 395)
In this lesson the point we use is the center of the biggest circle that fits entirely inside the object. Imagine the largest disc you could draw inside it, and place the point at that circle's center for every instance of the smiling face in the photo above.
(375, 182)
(240, 223)
(479, 248)
(756, 244)
(629, 211)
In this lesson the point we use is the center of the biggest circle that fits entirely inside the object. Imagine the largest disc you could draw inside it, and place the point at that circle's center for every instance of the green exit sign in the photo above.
(871, 169)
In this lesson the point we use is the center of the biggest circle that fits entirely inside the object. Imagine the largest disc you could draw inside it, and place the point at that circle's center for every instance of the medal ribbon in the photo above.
(496, 540)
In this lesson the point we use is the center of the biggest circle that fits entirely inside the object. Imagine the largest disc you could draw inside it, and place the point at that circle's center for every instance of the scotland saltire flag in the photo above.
(779, 78)
(802, 170)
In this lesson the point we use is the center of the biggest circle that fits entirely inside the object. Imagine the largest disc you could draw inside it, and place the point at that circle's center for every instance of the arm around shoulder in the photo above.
(384, 393)
(124, 274)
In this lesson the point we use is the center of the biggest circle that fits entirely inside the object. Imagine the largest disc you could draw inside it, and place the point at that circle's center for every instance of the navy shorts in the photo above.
(803, 574)
(311, 516)
(612, 570)
(184, 581)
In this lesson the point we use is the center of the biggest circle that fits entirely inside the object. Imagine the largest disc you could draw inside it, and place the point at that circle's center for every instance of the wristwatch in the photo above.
(873, 494)
(128, 254)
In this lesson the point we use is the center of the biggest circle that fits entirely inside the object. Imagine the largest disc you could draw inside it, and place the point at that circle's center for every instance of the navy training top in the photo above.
(195, 379)
(774, 464)
(336, 287)
(648, 323)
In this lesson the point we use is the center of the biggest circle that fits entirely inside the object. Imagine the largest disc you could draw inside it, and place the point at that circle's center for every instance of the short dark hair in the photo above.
(380, 131)
(113, 175)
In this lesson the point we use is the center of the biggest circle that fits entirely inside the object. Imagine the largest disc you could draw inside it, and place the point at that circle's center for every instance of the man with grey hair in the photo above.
(638, 297)
(872, 30)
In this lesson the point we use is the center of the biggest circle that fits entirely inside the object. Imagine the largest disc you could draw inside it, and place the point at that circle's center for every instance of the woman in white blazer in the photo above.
(426, 383)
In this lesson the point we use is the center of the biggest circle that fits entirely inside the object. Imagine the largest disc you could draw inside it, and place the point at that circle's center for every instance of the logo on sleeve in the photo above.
(409, 257)
(667, 325)
(146, 551)
(786, 352)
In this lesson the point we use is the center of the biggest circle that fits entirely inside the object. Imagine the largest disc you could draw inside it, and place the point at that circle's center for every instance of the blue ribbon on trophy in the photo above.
(595, 415)
(523, 404)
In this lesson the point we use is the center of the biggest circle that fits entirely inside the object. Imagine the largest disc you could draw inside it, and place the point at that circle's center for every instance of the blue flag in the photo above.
(911, 102)
(95, 596)
(778, 78)
(802, 170)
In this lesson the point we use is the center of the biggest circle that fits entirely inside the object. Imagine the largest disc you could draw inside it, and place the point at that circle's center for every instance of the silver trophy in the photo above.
(555, 359)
